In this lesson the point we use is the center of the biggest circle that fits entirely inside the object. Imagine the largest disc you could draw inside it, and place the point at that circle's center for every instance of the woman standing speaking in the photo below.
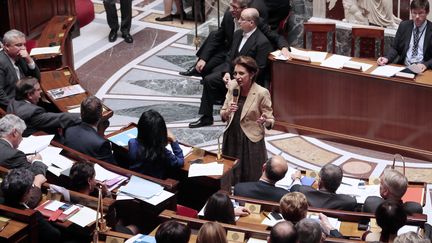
(248, 110)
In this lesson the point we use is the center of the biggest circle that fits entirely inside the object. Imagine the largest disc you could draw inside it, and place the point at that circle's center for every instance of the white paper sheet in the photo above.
(84, 217)
(387, 70)
(209, 169)
(70, 210)
(317, 56)
(45, 50)
(52, 156)
(103, 174)
(253, 240)
(286, 182)
(54, 205)
(408, 228)
(278, 55)
(59, 189)
(185, 149)
(36, 144)
(335, 61)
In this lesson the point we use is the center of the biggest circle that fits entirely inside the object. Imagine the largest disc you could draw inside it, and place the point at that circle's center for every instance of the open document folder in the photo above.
(141, 188)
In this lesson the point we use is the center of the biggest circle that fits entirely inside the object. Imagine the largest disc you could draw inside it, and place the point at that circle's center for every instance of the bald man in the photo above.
(273, 170)
(283, 232)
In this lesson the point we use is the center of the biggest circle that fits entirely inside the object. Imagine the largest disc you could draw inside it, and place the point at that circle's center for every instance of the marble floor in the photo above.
(131, 78)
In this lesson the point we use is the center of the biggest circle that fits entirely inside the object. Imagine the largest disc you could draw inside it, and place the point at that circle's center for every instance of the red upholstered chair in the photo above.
(85, 12)
(367, 38)
(30, 44)
(319, 33)
(186, 211)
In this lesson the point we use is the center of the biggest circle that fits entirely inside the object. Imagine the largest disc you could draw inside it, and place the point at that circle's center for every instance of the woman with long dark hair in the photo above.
(148, 152)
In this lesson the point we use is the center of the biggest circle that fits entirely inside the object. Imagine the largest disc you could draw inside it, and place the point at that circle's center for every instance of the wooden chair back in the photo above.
(367, 38)
(319, 33)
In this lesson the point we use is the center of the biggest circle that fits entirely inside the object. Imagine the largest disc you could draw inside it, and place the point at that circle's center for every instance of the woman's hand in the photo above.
(241, 211)
(233, 107)
(171, 137)
(262, 119)
(226, 78)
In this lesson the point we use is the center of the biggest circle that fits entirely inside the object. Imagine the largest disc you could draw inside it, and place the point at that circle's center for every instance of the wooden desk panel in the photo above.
(57, 33)
(389, 114)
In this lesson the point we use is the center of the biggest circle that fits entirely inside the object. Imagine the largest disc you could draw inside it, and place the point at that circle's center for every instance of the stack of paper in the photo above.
(84, 217)
(335, 61)
(387, 70)
(45, 50)
(209, 169)
(35, 144)
(287, 181)
(66, 91)
(141, 188)
(315, 56)
(110, 178)
(57, 164)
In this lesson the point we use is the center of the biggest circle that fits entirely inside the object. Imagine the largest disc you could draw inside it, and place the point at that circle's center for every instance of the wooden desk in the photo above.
(387, 114)
(56, 33)
(188, 186)
(23, 225)
(15, 231)
(62, 78)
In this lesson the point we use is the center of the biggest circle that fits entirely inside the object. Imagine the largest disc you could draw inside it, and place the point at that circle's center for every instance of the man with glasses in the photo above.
(214, 49)
(15, 63)
(413, 41)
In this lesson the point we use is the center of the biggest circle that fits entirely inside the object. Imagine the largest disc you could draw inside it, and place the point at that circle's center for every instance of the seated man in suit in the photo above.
(393, 186)
(28, 94)
(84, 136)
(274, 169)
(15, 63)
(248, 41)
(11, 128)
(413, 41)
(213, 51)
(326, 197)
(283, 232)
(16, 188)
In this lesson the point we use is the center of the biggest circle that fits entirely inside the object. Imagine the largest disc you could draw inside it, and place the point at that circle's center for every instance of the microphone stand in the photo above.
(101, 225)
(403, 162)
(219, 152)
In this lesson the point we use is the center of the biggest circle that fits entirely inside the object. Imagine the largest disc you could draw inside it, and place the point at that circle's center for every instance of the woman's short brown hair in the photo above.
(249, 63)
(293, 206)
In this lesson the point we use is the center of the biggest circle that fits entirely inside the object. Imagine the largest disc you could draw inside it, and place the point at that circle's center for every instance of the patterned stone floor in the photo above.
(131, 78)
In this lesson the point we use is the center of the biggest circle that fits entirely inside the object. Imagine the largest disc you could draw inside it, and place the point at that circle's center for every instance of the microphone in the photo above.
(236, 95)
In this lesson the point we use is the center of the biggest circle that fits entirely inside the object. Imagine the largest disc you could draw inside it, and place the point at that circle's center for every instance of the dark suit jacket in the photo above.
(37, 119)
(11, 158)
(257, 46)
(221, 40)
(277, 11)
(399, 48)
(323, 199)
(85, 139)
(8, 77)
(259, 190)
(372, 202)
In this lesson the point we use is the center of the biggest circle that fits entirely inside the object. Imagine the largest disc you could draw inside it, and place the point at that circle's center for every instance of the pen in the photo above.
(34, 153)
(266, 215)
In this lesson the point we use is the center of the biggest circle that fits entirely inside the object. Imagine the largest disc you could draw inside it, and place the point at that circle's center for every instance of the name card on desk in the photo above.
(45, 50)
(234, 236)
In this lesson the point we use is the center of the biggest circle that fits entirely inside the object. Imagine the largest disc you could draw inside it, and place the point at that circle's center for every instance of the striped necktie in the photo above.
(416, 41)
